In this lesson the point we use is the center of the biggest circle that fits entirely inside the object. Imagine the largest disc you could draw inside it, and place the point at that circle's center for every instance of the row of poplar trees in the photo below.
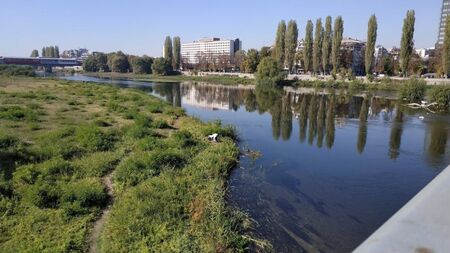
(322, 47)
(321, 51)
(50, 52)
(172, 51)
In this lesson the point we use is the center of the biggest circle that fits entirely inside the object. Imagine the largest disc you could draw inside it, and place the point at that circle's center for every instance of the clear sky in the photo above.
(139, 27)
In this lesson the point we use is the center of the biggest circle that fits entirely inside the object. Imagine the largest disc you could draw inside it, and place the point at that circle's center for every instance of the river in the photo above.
(329, 167)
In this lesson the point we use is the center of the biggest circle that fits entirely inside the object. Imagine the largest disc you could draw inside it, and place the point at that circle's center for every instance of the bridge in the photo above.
(47, 63)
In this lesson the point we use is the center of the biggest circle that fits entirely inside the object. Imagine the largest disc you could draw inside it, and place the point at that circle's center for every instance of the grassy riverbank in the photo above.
(60, 139)
(223, 80)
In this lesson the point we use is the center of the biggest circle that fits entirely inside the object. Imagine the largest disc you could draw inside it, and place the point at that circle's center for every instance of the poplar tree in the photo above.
(176, 53)
(279, 43)
(307, 50)
(371, 42)
(34, 53)
(317, 49)
(446, 49)
(337, 40)
(168, 52)
(407, 43)
(326, 45)
(43, 52)
(291, 44)
(56, 51)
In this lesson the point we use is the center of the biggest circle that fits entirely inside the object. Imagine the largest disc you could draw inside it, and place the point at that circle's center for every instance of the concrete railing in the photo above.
(421, 226)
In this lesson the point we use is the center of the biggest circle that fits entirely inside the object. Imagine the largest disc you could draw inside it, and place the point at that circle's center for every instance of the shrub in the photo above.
(184, 139)
(93, 139)
(269, 72)
(17, 113)
(96, 164)
(42, 195)
(440, 95)
(7, 141)
(216, 127)
(87, 193)
(413, 90)
(140, 166)
(161, 124)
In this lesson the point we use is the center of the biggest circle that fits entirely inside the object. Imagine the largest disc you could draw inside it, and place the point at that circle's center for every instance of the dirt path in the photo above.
(98, 225)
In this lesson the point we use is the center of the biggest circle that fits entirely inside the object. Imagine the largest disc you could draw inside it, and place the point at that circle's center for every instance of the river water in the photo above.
(328, 167)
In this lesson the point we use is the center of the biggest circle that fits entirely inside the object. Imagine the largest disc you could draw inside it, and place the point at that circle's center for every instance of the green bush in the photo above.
(161, 124)
(95, 165)
(93, 139)
(18, 113)
(7, 141)
(16, 70)
(440, 95)
(42, 195)
(413, 90)
(184, 139)
(216, 127)
(269, 72)
(140, 166)
(87, 192)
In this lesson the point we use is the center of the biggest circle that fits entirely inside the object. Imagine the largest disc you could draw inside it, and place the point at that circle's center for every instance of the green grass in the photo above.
(169, 181)
(216, 79)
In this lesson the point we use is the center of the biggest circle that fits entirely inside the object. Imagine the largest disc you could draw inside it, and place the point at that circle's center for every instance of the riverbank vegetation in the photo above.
(60, 139)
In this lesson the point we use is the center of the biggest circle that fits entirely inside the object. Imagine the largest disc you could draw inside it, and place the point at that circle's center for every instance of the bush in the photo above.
(7, 141)
(269, 72)
(18, 113)
(413, 90)
(216, 127)
(161, 124)
(161, 66)
(15, 70)
(141, 166)
(87, 193)
(93, 139)
(440, 95)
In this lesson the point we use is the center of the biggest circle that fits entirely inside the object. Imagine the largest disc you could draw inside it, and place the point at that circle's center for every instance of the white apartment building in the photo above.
(445, 11)
(209, 49)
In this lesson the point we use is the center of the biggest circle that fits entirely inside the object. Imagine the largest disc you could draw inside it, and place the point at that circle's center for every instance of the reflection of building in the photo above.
(193, 98)
(209, 48)
(445, 11)
(354, 50)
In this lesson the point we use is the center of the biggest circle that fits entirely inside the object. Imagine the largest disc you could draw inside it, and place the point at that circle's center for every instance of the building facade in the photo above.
(209, 50)
(445, 11)
(352, 55)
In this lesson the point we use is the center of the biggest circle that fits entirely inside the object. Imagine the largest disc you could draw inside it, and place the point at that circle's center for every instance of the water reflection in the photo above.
(305, 197)
(317, 113)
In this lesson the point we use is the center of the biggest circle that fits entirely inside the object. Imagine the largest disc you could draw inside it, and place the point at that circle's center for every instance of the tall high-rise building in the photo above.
(445, 11)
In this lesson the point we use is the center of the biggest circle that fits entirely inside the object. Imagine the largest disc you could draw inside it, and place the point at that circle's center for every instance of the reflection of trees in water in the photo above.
(321, 122)
(437, 141)
(303, 118)
(275, 111)
(316, 113)
(330, 121)
(250, 101)
(312, 123)
(286, 117)
(362, 132)
(396, 134)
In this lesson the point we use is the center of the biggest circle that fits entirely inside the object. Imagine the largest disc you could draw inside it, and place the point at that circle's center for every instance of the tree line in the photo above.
(48, 52)
(322, 51)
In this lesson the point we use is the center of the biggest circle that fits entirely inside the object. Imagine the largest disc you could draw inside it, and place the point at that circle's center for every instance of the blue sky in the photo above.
(139, 27)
